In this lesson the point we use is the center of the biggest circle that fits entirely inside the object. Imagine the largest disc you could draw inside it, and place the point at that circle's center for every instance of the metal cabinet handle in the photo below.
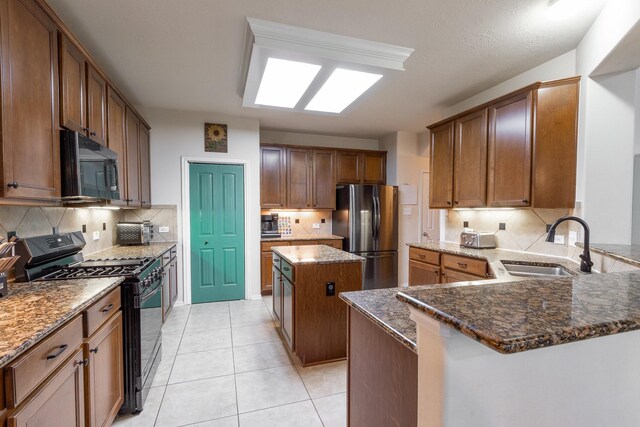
(94, 350)
(462, 265)
(93, 133)
(285, 268)
(13, 184)
(449, 203)
(422, 256)
(107, 308)
(84, 362)
(525, 201)
(60, 350)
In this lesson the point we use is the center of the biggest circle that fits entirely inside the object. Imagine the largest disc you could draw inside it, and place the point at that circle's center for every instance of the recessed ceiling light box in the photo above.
(292, 68)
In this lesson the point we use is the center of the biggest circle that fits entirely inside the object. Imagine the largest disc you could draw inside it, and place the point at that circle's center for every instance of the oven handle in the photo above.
(148, 296)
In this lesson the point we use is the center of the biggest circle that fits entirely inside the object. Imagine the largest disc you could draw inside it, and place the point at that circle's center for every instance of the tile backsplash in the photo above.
(35, 221)
(524, 229)
(306, 219)
(159, 216)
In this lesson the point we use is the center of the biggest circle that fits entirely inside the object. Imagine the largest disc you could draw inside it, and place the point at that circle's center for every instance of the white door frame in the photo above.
(421, 208)
(186, 220)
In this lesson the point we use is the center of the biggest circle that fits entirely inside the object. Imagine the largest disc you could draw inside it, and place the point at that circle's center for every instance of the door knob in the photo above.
(206, 242)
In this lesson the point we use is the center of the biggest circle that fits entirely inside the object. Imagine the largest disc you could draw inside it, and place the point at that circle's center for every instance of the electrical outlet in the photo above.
(96, 235)
(573, 238)
(323, 220)
(163, 229)
(331, 289)
(559, 239)
(316, 225)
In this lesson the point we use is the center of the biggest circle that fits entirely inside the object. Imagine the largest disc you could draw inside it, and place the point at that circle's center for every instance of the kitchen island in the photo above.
(310, 317)
(381, 315)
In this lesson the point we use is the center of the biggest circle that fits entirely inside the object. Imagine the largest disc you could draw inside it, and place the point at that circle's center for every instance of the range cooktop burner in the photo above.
(100, 268)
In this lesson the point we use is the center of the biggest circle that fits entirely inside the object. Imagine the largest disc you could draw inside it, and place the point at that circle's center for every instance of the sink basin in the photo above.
(535, 270)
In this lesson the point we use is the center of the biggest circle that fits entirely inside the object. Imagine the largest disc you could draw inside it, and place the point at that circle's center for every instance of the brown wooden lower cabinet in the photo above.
(59, 402)
(104, 373)
(382, 384)
(452, 276)
(421, 273)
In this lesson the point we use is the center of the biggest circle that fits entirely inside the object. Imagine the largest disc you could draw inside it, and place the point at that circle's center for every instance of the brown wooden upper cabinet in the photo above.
(441, 176)
(145, 166)
(522, 145)
(361, 167)
(324, 179)
(83, 94)
(273, 174)
(30, 100)
(299, 178)
(470, 160)
(117, 136)
(132, 194)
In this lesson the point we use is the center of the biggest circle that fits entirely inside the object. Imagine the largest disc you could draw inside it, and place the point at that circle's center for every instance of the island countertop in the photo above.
(384, 308)
(31, 311)
(152, 250)
(315, 254)
(305, 237)
(535, 313)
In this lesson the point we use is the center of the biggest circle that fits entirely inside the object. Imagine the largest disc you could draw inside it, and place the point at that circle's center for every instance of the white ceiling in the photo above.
(186, 54)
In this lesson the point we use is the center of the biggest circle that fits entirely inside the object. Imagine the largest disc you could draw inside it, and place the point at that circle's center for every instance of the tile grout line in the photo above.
(235, 377)
(171, 370)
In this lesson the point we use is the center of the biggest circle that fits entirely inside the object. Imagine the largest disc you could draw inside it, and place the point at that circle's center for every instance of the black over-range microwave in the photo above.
(89, 169)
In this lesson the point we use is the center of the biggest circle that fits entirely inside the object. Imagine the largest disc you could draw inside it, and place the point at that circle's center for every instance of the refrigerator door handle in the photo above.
(373, 219)
(377, 217)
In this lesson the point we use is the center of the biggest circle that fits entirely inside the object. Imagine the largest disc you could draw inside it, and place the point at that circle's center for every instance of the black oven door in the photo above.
(150, 327)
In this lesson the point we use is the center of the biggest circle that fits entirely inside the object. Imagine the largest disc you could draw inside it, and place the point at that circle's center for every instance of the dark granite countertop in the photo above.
(387, 311)
(152, 250)
(305, 237)
(31, 311)
(629, 254)
(533, 313)
(315, 254)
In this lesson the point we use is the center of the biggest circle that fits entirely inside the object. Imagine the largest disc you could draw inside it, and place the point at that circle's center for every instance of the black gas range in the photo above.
(59, 257)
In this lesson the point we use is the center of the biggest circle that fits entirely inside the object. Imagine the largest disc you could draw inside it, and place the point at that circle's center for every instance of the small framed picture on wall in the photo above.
(215, 138)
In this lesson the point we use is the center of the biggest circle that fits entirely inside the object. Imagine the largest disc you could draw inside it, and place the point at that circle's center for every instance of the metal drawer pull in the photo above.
(107, 308)
(84, 362)
(462, 265)
(422, 256)
(285, 268)
(94, 350)
(61, 349)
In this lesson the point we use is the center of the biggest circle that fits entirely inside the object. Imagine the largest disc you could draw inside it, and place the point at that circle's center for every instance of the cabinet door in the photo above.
(166, 295)
(145, 167)
(509, 181)
(59, 403)
(421, 273)
(374, 168)
(73, 102)
(288, 291)
(298, 178)
(173, 281)
(441, 176)
(133, 159)
(265, 273)
(470, 165)
(324, 179)
(276, 280)
(348, 169)
(272, 177)
(30, 120)
(96, 106)
(105, 373)
(452, 276)
(117, 136)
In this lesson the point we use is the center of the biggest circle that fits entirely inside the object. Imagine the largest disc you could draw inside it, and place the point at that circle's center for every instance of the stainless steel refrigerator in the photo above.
(367, 217)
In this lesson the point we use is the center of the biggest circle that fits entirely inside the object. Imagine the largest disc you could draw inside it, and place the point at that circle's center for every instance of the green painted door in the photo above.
(216, 197)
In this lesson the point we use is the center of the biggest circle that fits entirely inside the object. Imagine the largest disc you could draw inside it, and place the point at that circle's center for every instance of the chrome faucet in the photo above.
(586, 263)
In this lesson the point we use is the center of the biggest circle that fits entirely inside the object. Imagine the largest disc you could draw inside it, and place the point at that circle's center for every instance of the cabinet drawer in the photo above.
(99, 312)
(333, 243)
(424, 255)
(467, 265)
(276, 261)
(25, 374)
(174, 252)
(166, 258)
(266, 246)
(287, 270)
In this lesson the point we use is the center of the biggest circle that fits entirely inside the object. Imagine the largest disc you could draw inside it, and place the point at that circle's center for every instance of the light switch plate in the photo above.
(407, 211)
(573, 238)
(163, 229)
(559, 239)
(316, 225)
(96, 235)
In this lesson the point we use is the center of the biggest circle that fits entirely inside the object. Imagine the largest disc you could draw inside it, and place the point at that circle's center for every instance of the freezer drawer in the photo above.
(380, 270)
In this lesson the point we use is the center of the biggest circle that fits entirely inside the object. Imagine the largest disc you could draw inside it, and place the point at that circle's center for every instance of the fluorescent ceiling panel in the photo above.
(341, 89)
(284, 82)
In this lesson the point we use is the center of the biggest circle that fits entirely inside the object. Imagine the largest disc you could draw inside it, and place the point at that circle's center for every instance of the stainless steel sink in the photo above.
(535, 270)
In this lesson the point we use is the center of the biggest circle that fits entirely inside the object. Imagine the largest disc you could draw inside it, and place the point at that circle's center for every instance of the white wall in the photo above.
(606, 136)
(307, 139)
(557, 68)
(181, 133)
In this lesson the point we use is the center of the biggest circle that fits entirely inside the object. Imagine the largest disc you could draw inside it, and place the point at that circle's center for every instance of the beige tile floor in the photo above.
(223, 364)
